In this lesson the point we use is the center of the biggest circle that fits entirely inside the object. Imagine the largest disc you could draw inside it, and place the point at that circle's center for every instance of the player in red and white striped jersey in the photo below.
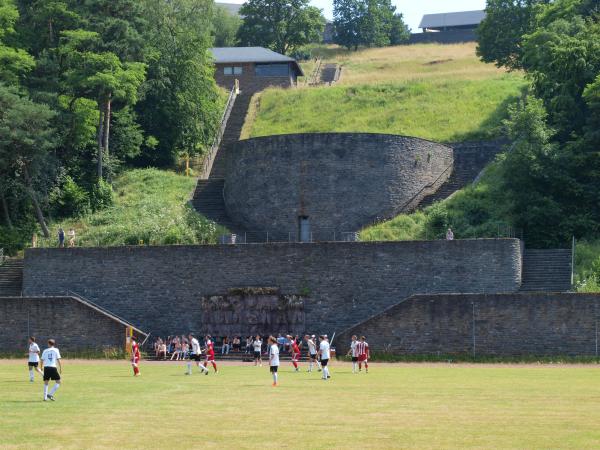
(295, 350)
(362, 348)
(135, 356)
(210, 353)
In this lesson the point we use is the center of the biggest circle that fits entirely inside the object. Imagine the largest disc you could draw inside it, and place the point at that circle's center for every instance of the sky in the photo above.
(412, 10)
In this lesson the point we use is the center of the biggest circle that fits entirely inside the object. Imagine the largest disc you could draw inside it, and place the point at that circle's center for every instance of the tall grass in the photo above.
(439, 110)
(438, 92)
(150, 209)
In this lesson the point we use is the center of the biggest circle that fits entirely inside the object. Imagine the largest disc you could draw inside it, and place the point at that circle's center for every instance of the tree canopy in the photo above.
(369, 23)
(281, 25)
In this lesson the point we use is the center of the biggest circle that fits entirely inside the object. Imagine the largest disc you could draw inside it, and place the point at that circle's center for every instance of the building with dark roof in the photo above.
(463, 20)
(254, 67)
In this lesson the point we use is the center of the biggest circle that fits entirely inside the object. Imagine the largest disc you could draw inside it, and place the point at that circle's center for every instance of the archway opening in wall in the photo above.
(303, 229)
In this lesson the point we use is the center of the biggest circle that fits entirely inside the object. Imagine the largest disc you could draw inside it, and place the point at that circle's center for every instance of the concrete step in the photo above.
(546, 270)
(470, 158)
(232, 134)
(11, 277)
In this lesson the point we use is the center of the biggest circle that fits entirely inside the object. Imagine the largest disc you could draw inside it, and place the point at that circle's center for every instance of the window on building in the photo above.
(272, 70)
(232, 70)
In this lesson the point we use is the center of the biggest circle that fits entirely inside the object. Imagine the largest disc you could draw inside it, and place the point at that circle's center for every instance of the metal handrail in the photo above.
(209, 158)
(313, 77)
(83, 299)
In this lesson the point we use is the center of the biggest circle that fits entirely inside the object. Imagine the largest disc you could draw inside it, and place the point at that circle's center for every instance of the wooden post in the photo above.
(187, 165)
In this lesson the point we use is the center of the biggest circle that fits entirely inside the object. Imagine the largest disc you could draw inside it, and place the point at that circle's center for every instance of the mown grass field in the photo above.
(438, 92)
(150, 207)
(395, 406)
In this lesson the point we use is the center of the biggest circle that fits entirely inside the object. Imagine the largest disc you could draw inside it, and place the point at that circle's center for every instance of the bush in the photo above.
(69, 199)
(102, 196)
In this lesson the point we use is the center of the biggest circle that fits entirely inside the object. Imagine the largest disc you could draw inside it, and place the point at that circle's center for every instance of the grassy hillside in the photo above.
(150, 208)
(437, 92)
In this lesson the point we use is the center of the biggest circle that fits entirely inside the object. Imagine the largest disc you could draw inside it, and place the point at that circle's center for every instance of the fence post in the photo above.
(573, 262)
(473, 328)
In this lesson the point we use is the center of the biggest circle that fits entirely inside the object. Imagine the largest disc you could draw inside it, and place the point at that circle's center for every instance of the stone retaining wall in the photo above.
(75, 326)
(540, 324)
(159, 289)
(340, 181)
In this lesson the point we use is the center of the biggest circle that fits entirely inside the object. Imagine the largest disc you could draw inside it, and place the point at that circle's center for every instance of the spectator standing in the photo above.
(225, 346)
(61, 238)
(449, 235)
(72, 237)
(248, 344)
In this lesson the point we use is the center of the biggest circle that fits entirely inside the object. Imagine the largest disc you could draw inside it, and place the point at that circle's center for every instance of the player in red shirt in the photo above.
(362, 348)
(210, 352)
(135, 357)
(295, 351)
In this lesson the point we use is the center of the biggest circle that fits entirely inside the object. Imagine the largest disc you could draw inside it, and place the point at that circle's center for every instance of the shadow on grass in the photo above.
(492, 126)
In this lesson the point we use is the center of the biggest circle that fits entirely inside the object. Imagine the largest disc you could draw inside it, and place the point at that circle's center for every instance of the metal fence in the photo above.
(2, 257)
(261, 237)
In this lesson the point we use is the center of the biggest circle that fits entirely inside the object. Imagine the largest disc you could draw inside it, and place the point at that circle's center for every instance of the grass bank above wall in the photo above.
(432, 91)
(150, 207)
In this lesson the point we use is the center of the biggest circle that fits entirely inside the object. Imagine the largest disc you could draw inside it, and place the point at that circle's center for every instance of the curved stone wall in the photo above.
(340, 181)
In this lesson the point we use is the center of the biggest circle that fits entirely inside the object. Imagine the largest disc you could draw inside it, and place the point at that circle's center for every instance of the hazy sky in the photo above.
(412, 10)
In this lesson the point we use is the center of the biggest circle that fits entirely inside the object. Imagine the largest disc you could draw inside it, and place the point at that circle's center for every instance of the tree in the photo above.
(370, 23)
(101, 77)
(500, 34)
(181, 107)
(225, 27)
(400, 32)
(347, 21)
(14, 62)
(26, 136)
(281, 25)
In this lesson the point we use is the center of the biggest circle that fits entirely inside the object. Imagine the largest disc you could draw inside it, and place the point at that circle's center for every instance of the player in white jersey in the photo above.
(325, 353)
(273, 358)
(196, 355)
(52, 369)
(257, 348)
(354, 353)
(34, 358)
(312, 353)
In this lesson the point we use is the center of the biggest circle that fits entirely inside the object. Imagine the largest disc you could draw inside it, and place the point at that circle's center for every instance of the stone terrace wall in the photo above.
(341, 181)
(73, 325)
(443, 37)
(159, 289)
(540, 324)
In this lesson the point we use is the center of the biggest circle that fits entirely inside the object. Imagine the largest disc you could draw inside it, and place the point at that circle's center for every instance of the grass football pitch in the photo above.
(394, 406)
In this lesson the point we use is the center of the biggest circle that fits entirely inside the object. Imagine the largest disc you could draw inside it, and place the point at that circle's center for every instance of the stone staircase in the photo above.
(328, 72)
(546, 270)
(232, 134)
(208, 201)
(11, 277)
(470, 158)
(208, 196)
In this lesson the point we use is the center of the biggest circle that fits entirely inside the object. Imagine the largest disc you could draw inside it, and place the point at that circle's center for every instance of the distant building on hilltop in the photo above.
(448, 28)
(464, 20)
(255, 67)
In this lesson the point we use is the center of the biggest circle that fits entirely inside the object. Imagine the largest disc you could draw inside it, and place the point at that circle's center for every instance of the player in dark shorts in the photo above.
(52, 368)
(257, 348)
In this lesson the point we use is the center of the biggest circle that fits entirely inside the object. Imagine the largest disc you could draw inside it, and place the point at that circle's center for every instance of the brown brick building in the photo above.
(255, 67)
